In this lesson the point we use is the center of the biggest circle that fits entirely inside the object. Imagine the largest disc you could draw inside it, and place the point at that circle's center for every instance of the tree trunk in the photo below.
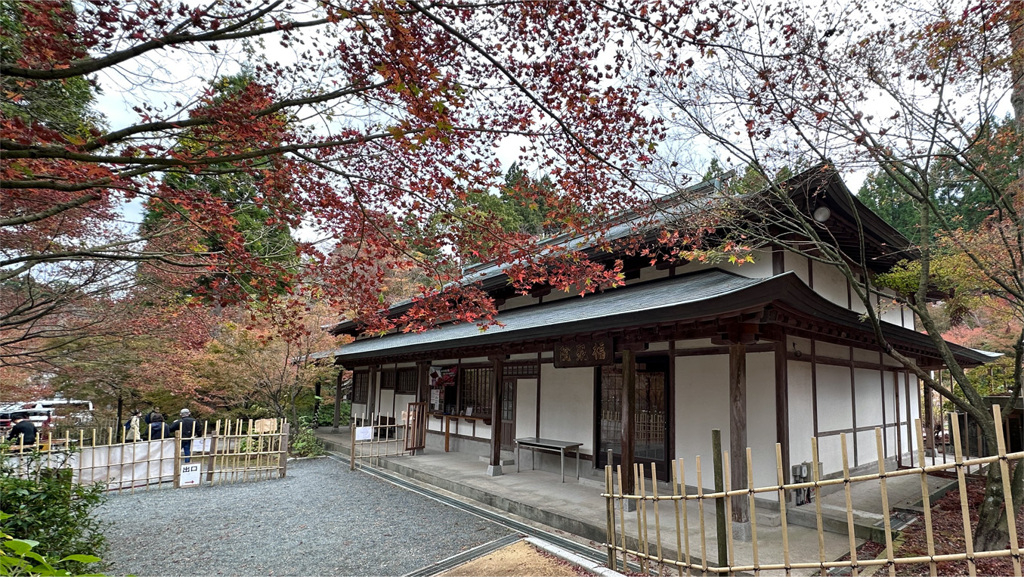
(992, 532)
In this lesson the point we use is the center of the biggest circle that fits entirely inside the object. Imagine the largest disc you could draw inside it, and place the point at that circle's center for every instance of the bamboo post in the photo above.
(177, 459)
(213, 453)
(641, 518)
(700, 516)
(817, 503)
(675, 504)
(849, 506)
(720, 513)
(753, 516)
(657, 517)
(965, 510)
(610, 503)
(782, 507)
(282, 466)
(728, 508)
(622, 516)
(686, 516)
(352, 446)
(926, 502)
(887, 523)
(1004, 469)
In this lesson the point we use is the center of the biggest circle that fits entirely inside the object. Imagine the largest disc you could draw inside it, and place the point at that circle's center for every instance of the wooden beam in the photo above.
(628, 423)
(738, 430)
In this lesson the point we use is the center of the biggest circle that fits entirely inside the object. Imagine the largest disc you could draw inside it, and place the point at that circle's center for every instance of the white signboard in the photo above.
(189, 475)
(364, 433)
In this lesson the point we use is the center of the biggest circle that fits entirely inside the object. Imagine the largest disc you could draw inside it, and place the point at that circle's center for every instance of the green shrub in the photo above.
(44, 506)
(303, 443)
(18, 558)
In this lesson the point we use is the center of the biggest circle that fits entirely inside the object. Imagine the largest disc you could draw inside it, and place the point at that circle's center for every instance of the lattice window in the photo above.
(475, 391)
(387, 379)
(408, 382)
(521, 370)
(360, 387)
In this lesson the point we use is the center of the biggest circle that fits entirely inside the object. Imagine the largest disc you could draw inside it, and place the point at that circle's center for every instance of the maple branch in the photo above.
(566, 129)
(87, 66)
(52, 211)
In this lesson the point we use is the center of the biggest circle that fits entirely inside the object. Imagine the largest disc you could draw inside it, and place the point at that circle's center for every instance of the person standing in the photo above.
(189, 428)
(158, 429)
(132, 428)
(24, 430)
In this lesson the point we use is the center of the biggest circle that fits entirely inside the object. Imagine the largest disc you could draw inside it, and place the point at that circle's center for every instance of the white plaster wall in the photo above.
(830, 453)
(402, 404)
(694, 344)
(657, 346)
(384, 402)
(760, 268)
(866, 355)
(798, 264)
(831, 351)
(701, 404)
(890, 413)
(466, 428)
(801, 345)
(801, 411)
(857, 304)
(835, 403)
(523, 357)
(867, 449)
(761, 417)
(526, 407)
(567, 405)
(435, 424)
(358, 409)
(890, 311)
(869, 398)
(831, 284)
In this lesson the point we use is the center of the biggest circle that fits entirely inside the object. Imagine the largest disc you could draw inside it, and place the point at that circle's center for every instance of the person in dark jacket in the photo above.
(158, 429)
(23, 432)
(189, 428)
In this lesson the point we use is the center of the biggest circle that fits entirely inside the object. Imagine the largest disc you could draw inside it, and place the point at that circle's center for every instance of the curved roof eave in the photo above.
(696, 296)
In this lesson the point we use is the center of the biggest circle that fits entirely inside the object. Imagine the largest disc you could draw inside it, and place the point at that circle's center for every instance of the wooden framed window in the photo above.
(475, 391)
(522, 370)
(387, 379)
(406, 382)
(360, 387)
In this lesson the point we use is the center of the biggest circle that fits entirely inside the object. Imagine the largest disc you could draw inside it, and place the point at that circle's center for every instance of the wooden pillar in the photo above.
(371, 394)
(337, 400)
(782, 404)
(628, 422)
(423, 382)
(738, 437)
(498, 364)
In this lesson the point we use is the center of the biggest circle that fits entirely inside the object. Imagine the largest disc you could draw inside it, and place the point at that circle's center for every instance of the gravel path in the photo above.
(322, 519)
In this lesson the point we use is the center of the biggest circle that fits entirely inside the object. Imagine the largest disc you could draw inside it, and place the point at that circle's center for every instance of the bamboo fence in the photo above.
(675, 550)
(229, 452)
(382, 435)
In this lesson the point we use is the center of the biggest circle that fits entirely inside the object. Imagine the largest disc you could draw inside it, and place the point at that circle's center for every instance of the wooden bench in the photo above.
(552, 445)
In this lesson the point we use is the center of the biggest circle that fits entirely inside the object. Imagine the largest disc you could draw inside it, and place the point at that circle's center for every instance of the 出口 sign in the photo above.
(587, 353)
